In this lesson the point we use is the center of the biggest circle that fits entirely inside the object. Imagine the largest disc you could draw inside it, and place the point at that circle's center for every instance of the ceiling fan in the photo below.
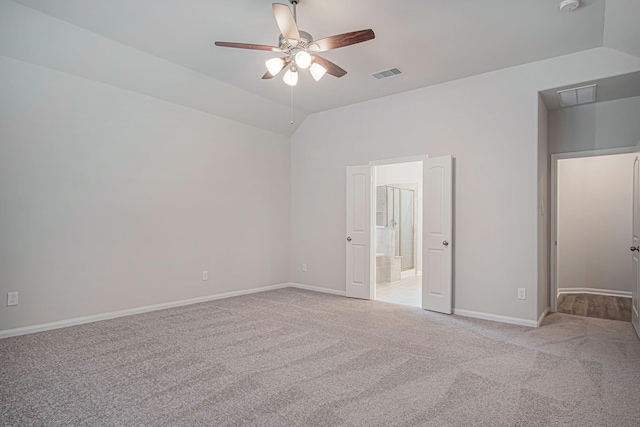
(300, 49)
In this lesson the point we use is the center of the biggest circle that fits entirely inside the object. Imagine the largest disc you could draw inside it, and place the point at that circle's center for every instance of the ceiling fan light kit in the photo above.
(317, 71)
(300, 49)
(275, 65)
(303, 59)
(291, 76)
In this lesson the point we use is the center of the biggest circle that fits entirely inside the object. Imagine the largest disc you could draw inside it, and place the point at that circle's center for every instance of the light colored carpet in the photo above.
(299, 358)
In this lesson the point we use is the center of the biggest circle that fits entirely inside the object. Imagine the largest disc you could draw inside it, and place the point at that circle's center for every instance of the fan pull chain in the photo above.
(291, 105)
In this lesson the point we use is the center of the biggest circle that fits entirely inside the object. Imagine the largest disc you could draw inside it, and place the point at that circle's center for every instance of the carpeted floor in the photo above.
(297, 358)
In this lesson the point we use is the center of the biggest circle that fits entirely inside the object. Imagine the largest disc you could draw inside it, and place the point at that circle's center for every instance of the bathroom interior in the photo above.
(398, 273)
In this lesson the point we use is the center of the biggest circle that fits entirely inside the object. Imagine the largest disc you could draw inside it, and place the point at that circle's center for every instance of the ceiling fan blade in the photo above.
(249, 46)
(331, 68)
(286, 23)
(341, 40)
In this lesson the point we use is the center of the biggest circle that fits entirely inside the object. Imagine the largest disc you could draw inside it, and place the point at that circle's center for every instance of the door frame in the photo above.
(372, 165)
(553, 209)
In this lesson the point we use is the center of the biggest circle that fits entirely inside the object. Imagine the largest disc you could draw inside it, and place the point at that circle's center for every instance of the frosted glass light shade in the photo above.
(291, 77)
(303, 59)
(274, 65)
(317, 71)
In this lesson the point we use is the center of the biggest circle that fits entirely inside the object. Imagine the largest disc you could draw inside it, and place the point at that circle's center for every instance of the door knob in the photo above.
(445, 243)
(349, 239)
(635, 248)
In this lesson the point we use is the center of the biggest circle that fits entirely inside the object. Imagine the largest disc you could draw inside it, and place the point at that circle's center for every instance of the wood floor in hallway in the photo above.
(599, 306)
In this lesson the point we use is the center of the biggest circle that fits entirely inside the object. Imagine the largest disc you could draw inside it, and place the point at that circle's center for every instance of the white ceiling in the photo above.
(432, 41)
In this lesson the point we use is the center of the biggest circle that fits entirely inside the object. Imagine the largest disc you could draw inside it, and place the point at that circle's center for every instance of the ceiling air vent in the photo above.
(392, 72)
(577, 95)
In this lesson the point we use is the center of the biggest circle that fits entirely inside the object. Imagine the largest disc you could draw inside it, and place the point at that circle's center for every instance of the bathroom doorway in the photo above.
(398, 245)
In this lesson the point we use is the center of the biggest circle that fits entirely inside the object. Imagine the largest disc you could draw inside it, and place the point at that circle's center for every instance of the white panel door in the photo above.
(635, 247)
(358, 238)
(437, 233)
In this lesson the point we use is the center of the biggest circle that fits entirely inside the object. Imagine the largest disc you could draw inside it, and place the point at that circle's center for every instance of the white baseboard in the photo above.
(605, 292)
(407, 273)
(496, 318)
(317, 289)
(120, 313)
(542, 316)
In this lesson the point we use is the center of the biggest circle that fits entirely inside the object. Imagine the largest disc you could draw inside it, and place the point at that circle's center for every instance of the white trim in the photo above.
(409, 159)
(496, 318)
(553, 209)
(130, 311)
(593, 291)
(317, 289)
(542, 316)
(408, 273)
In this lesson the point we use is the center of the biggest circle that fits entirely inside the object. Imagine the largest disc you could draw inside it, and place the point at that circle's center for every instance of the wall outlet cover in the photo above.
(12, 298)
(522, 293)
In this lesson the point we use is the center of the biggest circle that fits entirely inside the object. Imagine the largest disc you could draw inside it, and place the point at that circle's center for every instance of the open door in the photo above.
(635, 247)
(359, 232)
(437, 234)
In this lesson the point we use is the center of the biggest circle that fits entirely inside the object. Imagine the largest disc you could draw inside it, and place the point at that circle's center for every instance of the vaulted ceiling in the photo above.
(431, 41)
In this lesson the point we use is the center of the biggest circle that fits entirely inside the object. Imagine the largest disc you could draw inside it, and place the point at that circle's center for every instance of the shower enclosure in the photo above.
(395, 210)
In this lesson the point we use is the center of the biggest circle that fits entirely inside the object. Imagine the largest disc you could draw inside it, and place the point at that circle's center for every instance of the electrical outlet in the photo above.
(12, 298)
(205, 275)
(304, 267)
(522, 293)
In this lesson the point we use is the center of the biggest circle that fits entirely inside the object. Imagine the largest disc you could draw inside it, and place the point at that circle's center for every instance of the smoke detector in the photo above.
(569, 5)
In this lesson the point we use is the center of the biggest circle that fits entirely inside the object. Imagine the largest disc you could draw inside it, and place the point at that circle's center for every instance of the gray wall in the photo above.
(112, 200)
(601, 125)
(594, 222)
(489, 123)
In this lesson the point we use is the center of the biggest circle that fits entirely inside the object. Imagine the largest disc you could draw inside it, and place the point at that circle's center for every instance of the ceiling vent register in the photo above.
(392, 72)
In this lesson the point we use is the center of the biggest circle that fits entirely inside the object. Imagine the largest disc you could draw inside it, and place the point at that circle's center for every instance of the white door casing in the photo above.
(358, 238)
(635, 246)
(437, 287)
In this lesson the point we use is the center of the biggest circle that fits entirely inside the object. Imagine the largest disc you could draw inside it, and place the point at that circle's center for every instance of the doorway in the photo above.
(435, 252)
(592, 201)
(398, 227)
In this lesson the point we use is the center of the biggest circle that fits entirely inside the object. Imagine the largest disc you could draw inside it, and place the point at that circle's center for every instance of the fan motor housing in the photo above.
(305, 41)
